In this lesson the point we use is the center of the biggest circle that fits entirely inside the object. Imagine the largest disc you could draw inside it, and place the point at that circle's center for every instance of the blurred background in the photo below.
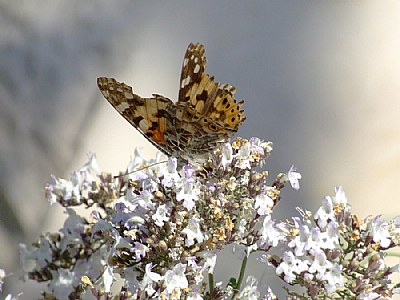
(319, 79)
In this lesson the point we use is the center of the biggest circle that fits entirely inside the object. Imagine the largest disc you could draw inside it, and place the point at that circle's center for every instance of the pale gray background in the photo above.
(320, 79)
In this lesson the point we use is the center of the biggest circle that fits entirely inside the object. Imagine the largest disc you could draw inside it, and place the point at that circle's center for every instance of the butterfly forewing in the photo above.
(148, 115)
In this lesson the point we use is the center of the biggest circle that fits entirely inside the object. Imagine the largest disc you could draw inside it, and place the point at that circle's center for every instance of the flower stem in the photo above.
(211, 284)
(241, 275)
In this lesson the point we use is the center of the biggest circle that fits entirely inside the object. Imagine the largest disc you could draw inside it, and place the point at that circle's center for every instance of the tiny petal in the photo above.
(294, 177)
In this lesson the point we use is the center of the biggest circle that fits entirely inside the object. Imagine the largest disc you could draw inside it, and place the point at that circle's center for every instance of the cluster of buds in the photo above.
(161, 225)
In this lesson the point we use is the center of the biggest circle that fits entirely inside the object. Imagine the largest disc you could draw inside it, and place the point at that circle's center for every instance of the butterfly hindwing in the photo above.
(207, 109)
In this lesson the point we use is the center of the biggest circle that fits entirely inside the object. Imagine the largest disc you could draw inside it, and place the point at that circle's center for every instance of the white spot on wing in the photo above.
(122, 106)
(185, 61)
(185, 81)
(196, 69)
(128, 95)
(144, 125)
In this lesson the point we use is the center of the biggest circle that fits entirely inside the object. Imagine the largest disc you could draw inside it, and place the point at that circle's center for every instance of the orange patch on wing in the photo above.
(157, 136)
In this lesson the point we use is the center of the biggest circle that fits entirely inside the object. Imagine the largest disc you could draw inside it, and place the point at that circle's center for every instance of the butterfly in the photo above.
(205, 115)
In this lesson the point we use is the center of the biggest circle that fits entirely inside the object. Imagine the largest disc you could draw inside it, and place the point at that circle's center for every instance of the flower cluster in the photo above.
(160, 226)
(335, 255)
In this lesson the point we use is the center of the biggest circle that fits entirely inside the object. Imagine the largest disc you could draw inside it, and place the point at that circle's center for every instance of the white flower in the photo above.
(90, 169)
(369, 296)
(2, 275)
(139, 250)
(318, 263)
(67, 190)
(325, 213)
(145, 200)
(250, 290)
(135, 169)
(170, 174)
(300, 243)
(263, 204)
(210, 259)
(270, 235)
(108, 278)
(188, 193)
(175, 278)
(161, 215)
(340, 197)
(334, 278)
(380, 232)
(294, 177)
(149, 277)
(119, 242)
(243, 156)
(193, 232)
(290, 266)
(227, 154)
(329, 239)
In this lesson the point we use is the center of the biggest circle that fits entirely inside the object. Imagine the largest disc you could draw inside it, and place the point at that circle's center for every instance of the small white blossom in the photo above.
(319, 263)
(161, 215)
(325, 213)
(340, 197)
(194, 295)
(250, 292)
(243, 157)
(108, 278)
(67, 190)
(149, 277)
(290, 266)
(210, 261)
(139, 250)
(193, 232)
(379, 231)
(227, 154)
(294, 177)
(263, 204)
(2, 275)
(175, 278)
(188, 193)
(270, 235)
(90, 169)
(170, 174)
(334, 278)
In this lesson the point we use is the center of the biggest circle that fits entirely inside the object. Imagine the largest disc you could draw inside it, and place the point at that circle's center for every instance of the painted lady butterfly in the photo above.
(205, 115)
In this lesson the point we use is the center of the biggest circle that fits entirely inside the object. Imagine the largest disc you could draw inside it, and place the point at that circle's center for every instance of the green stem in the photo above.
(211, 284)
(241, 275)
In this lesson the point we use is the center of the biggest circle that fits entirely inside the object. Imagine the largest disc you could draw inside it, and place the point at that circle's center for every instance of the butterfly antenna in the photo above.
(141, 169)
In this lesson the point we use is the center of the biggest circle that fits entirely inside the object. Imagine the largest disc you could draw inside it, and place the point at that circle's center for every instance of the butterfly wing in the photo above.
(206, 112)
(148, 115)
